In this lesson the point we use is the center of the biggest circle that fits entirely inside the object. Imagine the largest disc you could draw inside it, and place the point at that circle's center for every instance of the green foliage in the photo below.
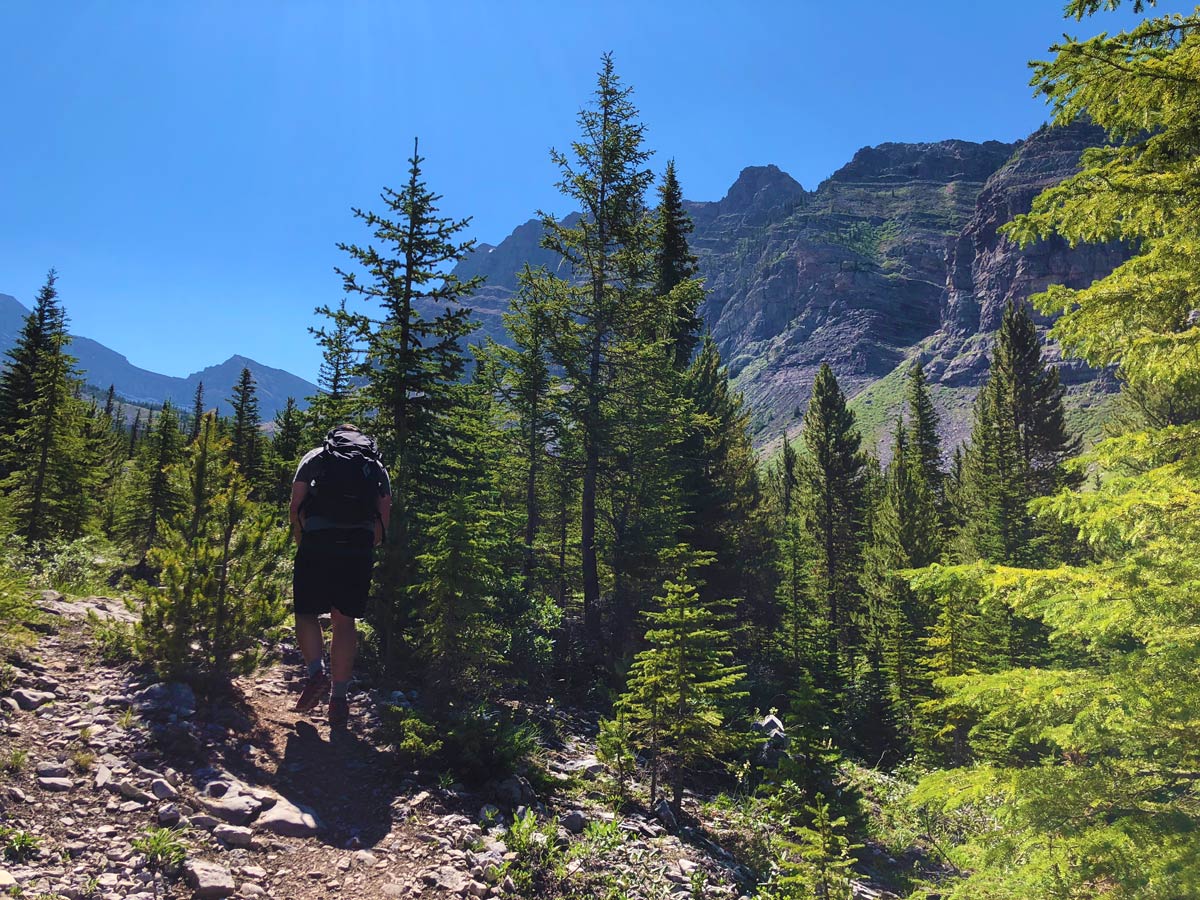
(818, 863)
(163, 849)
(475, 744)
(681, 686)
(540, 860)
(17, 611)
(149, 496)
(18, 845)
(16, 759)
(222, 583)
(114, 640)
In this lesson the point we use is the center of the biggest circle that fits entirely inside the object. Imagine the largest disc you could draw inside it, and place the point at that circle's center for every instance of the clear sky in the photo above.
(189, 166)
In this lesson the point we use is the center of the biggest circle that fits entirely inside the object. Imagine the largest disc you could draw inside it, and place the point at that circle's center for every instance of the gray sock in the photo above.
(339, 689)
(316, 667)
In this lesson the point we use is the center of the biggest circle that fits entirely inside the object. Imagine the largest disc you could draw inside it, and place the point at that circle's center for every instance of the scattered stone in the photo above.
(664, 814)
(55, 785)
(514, 791)
(166, 697)
(10, 706)
(103, 775)
(168, 815)
(289, 820)
(29, 699)
(208, 823)
(163, 789)
(256, 872)
(17, 795)
(233, 835)
(237, 810)
(209, 880)
(6, 880)
(49, 769)
(574, 821)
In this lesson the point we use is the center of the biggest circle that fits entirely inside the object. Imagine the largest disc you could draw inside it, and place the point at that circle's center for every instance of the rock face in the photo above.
(896, 255)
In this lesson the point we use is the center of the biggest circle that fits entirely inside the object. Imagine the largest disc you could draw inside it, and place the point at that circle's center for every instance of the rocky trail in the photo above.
(271, 803)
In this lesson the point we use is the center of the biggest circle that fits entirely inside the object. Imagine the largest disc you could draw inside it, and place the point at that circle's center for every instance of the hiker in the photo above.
(341, 503)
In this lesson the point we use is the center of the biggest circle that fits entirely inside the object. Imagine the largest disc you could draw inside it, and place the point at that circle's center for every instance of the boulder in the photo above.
(29, 699)
(289, 820)
(166, 698)
(233, 835)
(209, 880)
(574, 821)
(237, 810)
(55, 785)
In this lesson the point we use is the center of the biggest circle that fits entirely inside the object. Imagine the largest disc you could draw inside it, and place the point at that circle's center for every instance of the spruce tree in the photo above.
(17, 387)
(335, 402)
(151, 496)
(834, 474)
(606, 303)
(45, 454)
(246, 449)
(682, 686)
(675, 269)
(197, 419)
(411, 340)
(135, 433)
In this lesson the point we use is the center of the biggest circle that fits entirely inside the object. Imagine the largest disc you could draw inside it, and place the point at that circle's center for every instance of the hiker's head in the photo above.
(345, 426)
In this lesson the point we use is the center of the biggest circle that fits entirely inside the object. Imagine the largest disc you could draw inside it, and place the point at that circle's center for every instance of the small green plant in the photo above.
(125, 720)
(114, 641)
(19, 845)
(539, 864)
(598, 838)
(413, 737)
(83, 760)
(8, 678)
(85, 734)
(16, 759)
(163, 849)
(698, 882)
(90, 888)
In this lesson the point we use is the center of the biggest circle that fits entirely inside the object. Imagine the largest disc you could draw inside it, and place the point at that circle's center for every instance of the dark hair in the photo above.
(346, 426)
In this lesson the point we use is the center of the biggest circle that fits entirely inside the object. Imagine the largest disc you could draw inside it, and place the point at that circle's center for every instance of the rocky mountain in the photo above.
(103, 366)
(896, 255)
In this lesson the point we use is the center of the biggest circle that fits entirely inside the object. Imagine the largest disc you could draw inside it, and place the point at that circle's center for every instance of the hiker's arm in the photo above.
(299, 492)
(383, 509)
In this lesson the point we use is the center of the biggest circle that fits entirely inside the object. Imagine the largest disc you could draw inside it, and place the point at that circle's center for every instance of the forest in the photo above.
(982, 658)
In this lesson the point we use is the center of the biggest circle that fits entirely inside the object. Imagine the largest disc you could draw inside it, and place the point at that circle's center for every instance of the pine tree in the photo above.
(197, 419)
(335, 403)
(152, 497)
(1019, 443)
(819, 864)
(1091, 759)
(246, 449)
(222, 585)
(606, 303)
(17, 387)
(926, 445)
(412, 363)
(135, 433)
(288, 432)
(681, 686)
(45, 455)
(675, 269)
(834, 473)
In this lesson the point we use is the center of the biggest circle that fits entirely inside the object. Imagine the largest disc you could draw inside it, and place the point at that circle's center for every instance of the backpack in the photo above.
(345, 488)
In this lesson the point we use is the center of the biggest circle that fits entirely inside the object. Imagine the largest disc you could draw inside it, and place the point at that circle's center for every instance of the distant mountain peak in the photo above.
(943, 161)
(756, 185)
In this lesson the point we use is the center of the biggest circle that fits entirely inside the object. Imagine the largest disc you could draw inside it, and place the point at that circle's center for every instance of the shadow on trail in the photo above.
(345, 781)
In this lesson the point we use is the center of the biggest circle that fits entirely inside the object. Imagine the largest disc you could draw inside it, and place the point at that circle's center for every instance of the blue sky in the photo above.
(188, 167)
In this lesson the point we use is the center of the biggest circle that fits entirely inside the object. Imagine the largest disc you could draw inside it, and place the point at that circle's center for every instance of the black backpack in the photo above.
(346, 487)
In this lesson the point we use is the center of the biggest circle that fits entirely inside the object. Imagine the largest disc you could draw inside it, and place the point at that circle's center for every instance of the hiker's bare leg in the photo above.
(341, 648)
(309, 638)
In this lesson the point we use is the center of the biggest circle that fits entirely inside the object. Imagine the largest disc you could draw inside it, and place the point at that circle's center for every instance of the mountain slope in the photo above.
(896, 255)
(103, 366)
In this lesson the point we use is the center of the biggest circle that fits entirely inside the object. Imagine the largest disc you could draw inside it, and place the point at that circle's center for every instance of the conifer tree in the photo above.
(45, 455)
(675, 270)
(110, 403)
(1019, 443)
(222, 586)
(818, 865)
(335, 402)
(606, 304)
(1090, 760)
(681, 686)
(152, 497)
(17, 387)
(412, 362)
(834, 473)
(246, 449)
(197, 413)
(135, 433)
(288, 432)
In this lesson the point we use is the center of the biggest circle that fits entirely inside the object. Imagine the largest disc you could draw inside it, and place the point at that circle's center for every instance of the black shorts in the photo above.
(333, 570)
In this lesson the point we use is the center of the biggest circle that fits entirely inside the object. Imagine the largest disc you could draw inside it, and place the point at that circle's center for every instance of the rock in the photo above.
(49, 769)
(514, 791)
(55, 785)
(289, 820)
(588, 767)
(233, 835)
(168, 815)
(6, 880)
(29, 699)
(163, 789)
(249, 889)
(258, 873)
(103, 776)
(16, 795)
(448, 879)
(166, 698)
(478, 889)
(131, 791)
(237, 810)
(664, 814)
(208, 823)
(10, 706)
(209, 880)
(574, 822)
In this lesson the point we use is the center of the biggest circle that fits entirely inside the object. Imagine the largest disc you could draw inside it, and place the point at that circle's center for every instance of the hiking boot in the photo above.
(315, 690)
(339, 712)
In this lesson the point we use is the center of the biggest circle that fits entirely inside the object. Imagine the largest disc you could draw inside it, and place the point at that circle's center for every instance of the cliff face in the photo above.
(896, 255)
